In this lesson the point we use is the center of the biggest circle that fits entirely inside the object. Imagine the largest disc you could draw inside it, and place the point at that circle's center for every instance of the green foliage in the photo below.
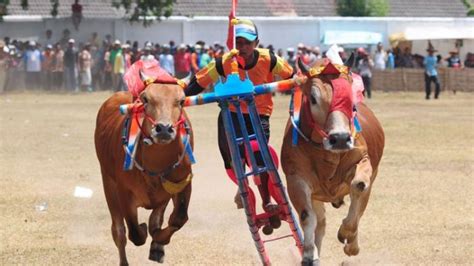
(467, 3)
(356, 8)
(378, 8)
(3, 8)
(24, 4)
(146, 10)
(470, 7)
(362, 8)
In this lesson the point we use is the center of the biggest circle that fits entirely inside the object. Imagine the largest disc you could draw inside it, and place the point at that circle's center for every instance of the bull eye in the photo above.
(181, 102)
(144, 99)
(314, 95)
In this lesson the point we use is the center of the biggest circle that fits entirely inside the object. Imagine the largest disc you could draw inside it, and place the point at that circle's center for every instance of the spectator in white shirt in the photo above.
(365, 70)
(32, 59)
(147, 56)
(166, 59)
(380, 57)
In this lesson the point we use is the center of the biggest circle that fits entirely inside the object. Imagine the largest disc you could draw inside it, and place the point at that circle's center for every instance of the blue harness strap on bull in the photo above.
(295, 110)
(130, 141)
(131, 134)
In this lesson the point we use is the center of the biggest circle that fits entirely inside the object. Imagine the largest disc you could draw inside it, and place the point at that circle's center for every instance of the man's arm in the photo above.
(193, 87)
(281, 67)
(205, 77)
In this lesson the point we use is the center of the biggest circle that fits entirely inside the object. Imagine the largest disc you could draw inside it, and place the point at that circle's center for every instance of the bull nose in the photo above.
(164, 130)
(340, 140)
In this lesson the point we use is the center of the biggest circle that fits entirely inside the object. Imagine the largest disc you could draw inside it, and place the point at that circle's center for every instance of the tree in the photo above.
(136, 10)
(145, 9)
(378, 8)
(362, 8)
(470, 7)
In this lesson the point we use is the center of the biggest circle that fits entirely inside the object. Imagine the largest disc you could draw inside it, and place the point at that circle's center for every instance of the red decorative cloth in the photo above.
(342, 97)
(150, 69)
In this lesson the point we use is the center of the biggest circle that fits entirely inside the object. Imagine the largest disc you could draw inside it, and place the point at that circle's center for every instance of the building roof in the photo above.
(90, 8)
(256, 8)
(190, 8)
(427, 8)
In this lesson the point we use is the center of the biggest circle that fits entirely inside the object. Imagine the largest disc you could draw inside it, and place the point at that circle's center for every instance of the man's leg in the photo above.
(437, 86)
(427, 86)
(264, 177)
(366, 81)
(225, 152)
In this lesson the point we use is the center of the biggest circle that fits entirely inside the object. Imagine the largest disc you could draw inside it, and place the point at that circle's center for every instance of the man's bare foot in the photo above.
(238, 201)
(274, 209)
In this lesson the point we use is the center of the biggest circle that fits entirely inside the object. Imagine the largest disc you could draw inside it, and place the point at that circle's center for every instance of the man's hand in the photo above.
(300, 79)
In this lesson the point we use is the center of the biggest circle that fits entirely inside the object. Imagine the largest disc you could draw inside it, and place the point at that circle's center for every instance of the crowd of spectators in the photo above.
(96, 64)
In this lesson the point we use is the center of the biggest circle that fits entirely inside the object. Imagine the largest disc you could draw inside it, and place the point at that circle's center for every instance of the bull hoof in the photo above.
(139, 235)
(340, 237)
(346, 236)
(157, 253)
(267, 230)
(275, 221)
(338, 204)
(351, 249)
(310, 262)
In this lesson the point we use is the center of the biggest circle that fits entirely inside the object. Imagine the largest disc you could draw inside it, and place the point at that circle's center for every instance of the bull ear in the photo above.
(350, 62)
(303, 67)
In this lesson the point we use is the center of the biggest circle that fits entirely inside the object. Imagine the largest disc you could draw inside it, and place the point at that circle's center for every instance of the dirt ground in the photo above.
(420, 211)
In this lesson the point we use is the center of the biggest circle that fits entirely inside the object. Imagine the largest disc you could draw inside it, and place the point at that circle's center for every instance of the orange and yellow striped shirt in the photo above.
(261, 71)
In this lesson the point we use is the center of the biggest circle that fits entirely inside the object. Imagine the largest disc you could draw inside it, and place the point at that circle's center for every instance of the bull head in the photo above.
(330, 100)
(163, 105)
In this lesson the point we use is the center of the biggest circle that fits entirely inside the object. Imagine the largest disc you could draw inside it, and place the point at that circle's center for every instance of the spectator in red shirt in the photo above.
(47, 67)
(76, 14)
(182, 60)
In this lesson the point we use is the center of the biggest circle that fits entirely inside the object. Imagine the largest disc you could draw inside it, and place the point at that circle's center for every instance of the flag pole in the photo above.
(234, 6)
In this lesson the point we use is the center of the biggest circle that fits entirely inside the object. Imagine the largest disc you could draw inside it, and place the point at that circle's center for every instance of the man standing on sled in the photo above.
(260, 65)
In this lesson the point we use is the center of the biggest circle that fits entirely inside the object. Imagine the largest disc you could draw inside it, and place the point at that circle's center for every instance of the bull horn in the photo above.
(146, 79)
(303, 67)
(187, 79)
(350, 62)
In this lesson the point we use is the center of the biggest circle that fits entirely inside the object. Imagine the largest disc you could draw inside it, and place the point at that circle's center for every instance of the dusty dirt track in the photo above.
(420, 211)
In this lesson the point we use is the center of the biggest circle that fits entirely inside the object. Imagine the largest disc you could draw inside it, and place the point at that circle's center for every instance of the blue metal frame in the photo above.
(229, 93)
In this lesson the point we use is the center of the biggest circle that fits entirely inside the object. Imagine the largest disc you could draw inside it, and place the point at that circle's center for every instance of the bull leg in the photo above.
(300, 195)
(359, 193)
(118, 225)
(318, 207)
(178, 218)
(136, 233)
(155, 221)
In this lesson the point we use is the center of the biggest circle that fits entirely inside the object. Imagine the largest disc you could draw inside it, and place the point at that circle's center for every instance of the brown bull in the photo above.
(166, 171)
(329, 162)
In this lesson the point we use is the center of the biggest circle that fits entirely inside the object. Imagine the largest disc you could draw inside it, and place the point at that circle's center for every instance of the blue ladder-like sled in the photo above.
(232, 92)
